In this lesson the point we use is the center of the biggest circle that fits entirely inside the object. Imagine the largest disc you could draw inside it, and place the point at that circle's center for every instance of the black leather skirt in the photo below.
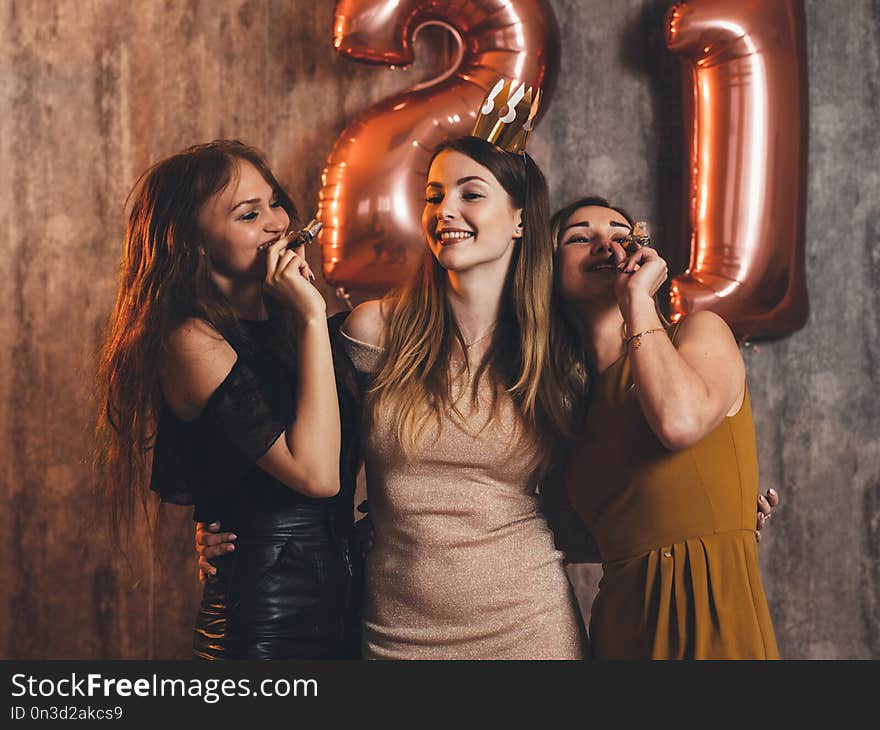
(290, 590)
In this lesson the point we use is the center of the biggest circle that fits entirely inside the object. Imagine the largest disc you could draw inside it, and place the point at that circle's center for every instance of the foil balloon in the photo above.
(745, 98)
(373, 185)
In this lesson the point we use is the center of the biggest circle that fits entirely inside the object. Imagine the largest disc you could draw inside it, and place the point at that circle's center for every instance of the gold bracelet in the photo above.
(638, 336)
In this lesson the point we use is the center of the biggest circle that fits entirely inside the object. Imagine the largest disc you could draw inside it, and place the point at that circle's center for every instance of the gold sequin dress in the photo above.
(463, 565)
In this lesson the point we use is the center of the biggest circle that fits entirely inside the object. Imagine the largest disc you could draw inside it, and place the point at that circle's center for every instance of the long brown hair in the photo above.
(163, 281)
(414, 381)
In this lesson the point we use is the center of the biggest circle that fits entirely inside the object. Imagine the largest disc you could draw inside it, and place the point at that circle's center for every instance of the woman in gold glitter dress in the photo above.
(462, 419)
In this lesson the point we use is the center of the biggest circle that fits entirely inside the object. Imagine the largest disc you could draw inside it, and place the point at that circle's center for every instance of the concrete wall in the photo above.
(93, 91)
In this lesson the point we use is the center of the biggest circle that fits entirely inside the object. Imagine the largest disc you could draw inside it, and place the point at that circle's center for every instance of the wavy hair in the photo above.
(163, 281)
(415, 378)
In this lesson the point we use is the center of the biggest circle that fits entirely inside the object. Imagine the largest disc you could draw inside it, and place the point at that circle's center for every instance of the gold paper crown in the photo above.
(507, 115)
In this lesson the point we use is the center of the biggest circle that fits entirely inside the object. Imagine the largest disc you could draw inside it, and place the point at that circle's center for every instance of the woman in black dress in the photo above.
(218, 384)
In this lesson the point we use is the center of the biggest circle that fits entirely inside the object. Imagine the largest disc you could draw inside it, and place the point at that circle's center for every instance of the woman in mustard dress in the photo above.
(664, 473)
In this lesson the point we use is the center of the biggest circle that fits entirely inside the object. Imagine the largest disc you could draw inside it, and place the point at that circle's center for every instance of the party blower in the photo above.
(305, 235)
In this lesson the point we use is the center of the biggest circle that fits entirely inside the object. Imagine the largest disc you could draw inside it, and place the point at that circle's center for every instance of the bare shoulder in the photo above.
(195, 360)
(707, 329)
(195, 335)
(366, 323)
(707, 344)
(196, 344)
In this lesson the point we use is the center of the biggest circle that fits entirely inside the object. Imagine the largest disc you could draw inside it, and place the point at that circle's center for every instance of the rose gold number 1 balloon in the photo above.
(746, 103)
(374, 182)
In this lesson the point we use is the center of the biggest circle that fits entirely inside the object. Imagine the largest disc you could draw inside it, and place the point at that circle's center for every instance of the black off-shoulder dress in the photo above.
(292, 587)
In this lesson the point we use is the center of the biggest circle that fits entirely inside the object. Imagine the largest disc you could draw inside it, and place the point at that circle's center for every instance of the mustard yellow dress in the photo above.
(676, 530)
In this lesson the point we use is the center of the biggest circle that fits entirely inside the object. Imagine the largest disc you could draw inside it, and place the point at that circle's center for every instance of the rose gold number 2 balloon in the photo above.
(745, 103)
(374, 182)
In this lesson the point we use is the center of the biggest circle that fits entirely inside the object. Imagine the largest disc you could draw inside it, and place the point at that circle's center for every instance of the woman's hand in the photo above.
(765, 507)
(364, 528)
(289, 279)
(641, 275)
(211, 543)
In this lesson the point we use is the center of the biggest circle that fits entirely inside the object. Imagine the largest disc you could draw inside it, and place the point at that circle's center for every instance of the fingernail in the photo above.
(230, 548)
(311, 276)
(767, 518)
(214, 524)
(761, 498)
(232, 536)
(773, 492)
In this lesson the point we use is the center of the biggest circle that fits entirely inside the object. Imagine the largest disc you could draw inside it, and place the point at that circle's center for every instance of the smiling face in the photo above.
(469, 218)
(590, 247)
(237, 219)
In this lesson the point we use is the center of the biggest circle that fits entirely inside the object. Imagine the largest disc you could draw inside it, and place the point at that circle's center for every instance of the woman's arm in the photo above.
(306, 456)
(687, 388)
